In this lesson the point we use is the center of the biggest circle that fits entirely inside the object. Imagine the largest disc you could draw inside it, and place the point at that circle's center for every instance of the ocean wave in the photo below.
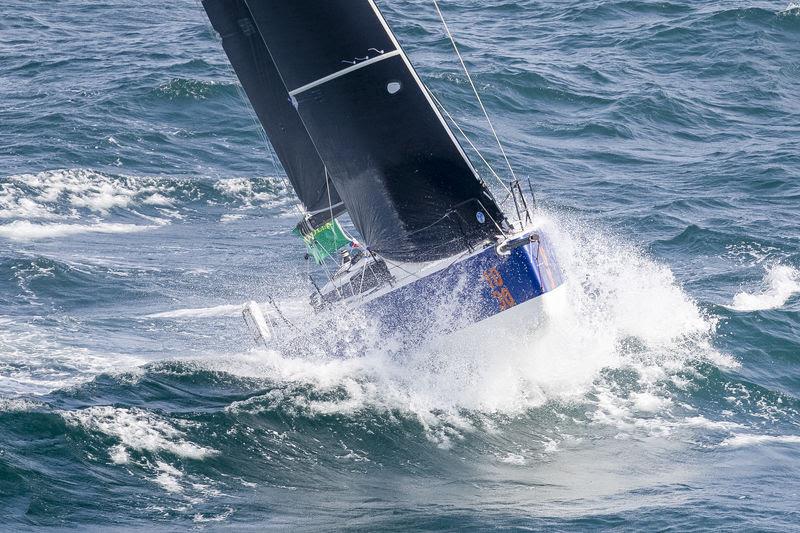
(780, 283)
(33, 362)
(73, 194)
(150, 443)
(225, 310)
(792, 9)
(22, 230)
(17, 405)
(192, 89)
(748, 439)
(613, 10)
(694, 238)
(137, 429)
(619, 310)
(249, 193)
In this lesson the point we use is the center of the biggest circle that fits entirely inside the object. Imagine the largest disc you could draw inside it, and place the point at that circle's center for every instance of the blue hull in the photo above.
(474, 289)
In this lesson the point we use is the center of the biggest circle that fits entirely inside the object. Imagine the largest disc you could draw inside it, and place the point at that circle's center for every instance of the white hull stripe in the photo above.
(325, 209)
(343, 72)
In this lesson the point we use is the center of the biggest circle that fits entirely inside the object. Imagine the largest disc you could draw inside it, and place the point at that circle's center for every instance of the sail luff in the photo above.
(271, 102)
(424, 88)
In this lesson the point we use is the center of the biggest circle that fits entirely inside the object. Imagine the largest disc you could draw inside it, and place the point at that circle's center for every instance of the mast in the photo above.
(271, 101)
(407, 184)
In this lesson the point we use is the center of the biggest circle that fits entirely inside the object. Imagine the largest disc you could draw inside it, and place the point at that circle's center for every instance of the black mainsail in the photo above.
(271, 101)
(342, 104)
(407, 184)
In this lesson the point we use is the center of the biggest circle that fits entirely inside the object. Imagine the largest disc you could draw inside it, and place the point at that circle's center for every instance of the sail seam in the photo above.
(343, 72)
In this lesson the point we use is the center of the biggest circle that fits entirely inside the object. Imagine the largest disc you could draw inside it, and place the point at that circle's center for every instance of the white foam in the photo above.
(647, 402)
(17, 405)
(792, 9)
(234, 186)
(748, 439)
(136, 429)
(242, 190)
(33, 362)
(225, 310)
(119, 454)
(222, 517)
(141, 430)
(704, 423)
(36, 196)
(103, 197)
(230, 218)
(68, 194)
(14, 205)
(22, 230)
(750, 253)
(157, 199)
(618, 310)
(780, 283)
(168, 477)
(512, 459)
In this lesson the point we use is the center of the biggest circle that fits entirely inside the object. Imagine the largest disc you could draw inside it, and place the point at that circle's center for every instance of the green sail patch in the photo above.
(324, 241)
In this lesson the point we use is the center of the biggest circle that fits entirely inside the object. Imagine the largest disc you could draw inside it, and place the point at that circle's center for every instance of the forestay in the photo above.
(407, 184)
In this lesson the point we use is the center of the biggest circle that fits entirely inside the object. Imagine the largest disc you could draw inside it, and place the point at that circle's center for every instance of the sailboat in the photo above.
(361, 137)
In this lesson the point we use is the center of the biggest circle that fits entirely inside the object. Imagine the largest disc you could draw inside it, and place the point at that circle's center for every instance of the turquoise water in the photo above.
(139, 209)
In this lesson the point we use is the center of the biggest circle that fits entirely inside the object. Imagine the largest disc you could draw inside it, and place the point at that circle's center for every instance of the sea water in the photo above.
(140, 208)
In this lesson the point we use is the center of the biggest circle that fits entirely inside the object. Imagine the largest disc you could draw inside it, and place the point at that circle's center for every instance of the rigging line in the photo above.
(328, 189)
(474, 89)
(280, 313)
(363, 273)
(330, 205)
(397, 266)
(324, 265)
(461, 131)
(412, 274)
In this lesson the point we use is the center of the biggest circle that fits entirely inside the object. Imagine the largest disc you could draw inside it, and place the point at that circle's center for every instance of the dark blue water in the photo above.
(139, 208)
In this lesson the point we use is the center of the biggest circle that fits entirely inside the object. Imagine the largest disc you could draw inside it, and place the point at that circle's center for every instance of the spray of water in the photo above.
(618, 310)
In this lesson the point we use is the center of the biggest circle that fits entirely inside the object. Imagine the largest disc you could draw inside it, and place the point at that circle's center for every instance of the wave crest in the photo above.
(80, 194)
(780, 283)
(22, 230)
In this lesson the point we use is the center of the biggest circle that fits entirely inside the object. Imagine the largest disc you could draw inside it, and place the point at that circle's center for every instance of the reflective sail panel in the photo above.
(270, 99)
(407, 185)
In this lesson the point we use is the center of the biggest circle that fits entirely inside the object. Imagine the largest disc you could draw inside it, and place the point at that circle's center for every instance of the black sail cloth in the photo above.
(408, 187)
(270, 99)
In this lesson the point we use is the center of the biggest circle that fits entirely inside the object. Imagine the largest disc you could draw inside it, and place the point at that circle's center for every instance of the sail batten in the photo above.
(343, 72)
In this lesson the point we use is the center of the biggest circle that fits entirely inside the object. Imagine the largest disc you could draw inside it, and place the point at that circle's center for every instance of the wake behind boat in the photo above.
(363, 140)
